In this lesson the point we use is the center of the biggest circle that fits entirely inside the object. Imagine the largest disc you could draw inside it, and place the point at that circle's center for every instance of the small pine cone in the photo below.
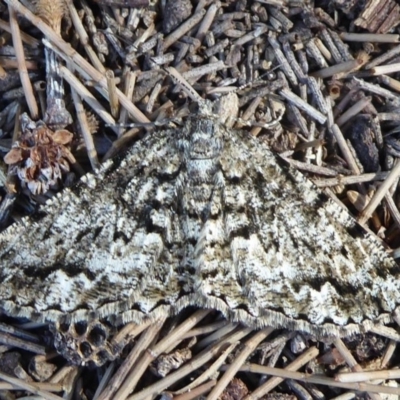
(39, 158)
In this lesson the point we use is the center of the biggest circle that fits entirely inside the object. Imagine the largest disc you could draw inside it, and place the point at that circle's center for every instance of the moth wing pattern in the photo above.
(203, 216)
(100, 248)
(294, 258)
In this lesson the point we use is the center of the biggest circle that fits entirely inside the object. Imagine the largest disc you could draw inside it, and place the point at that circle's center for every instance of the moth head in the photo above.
(225, 109)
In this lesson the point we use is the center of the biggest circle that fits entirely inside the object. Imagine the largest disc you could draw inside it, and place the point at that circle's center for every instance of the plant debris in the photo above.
(330, 71)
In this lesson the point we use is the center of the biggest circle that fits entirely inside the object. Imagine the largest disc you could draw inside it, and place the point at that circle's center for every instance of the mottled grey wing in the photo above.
(103, 246)
(278, 252)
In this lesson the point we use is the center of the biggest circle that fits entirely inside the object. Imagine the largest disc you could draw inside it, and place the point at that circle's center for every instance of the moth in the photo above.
(201, 215)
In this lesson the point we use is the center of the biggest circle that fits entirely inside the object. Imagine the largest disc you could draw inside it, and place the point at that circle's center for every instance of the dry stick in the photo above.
(205, 329)
(197, 391)
(350, 180)
(284, 64)
(202, 358)
(136, 373)
(88, 97)
(10, 63)
(377, 89)
(319, 380)
(183, 29)
(184, 84)
(23, 71)
(385, 331)
(40, 88)
(87, 135)
(366, 376)
(323, 49)
(379, 194)
(315, 169)
(300, 361)
(383, 57)
(390, 349)
(120, 143)
(196, 73)
(207, 20)
(229, 374)
(313, 50)
(394, 211)
(342, 105)
(112, 93)
(345, 396)
(217, 335)
(353, 110)
(84, 38)
(33, 388)
(385, 69)
(210, 371)
(9, 340)
(389, 81)
(141, 346)
(335, 69)
(105, 380)
(19, 332)
(62, 373)
(129, 332)
(28, 39)
(3, 73)
(350, 360)
(129, 86)
(300, 103)
(370, 37)
(80, 62)
(344, 148)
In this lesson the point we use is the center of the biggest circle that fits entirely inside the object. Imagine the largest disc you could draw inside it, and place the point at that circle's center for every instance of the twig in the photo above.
(129, 86)
(117, 382)
(87, 135)
(22, 344)
(383, 57)
(390, 349)
(350, 360)
(359, 83)
(112, 93)
(33, 388)
(379, 194)
(315, 169)
(350, 180)
(197, 391)
(88, 97)
(183, 29)
(385, 69)
(195, 363)
(335, 69)
(28, 39)
(211, 370)
(319, 380)
(135, 374)
(207, 20)
(369, 37)
(367, 375)
(71, 54)
(353, 110)
(344, 148)
(229, 374)
(83, 37)
(300, 103)
(23, 71)
(300, 361)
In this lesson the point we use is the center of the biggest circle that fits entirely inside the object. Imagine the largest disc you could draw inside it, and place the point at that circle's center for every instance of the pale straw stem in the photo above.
(23, 71)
